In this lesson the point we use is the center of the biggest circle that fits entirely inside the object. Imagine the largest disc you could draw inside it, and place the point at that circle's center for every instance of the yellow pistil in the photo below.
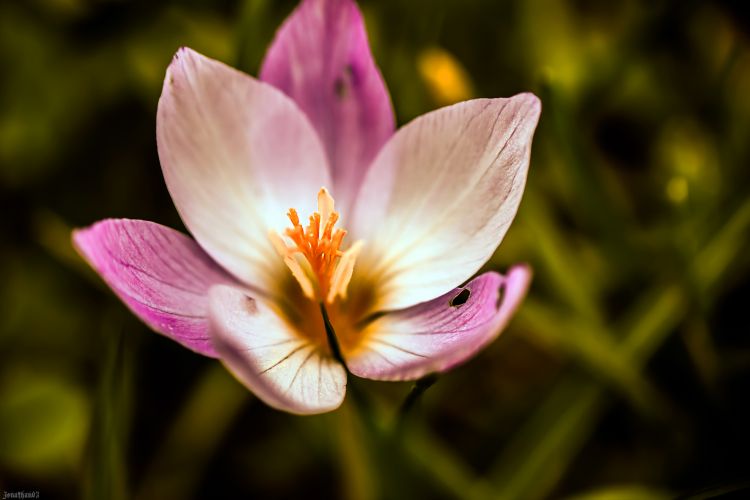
(330, 268)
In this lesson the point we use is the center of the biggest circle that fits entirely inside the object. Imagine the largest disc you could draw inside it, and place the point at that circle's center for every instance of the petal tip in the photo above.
(78, 236)
(532, 101)
(82, 237)
(177, 67)
(184, 52)
(520, 274)
(78, 240)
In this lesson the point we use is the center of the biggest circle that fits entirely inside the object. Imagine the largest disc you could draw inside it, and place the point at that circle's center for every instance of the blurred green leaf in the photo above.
(212, 407)
(562, 265)
(625, 492)
(535, 460)
(107, 458)
(443, 466)
(715, 259)
(593, 348)
(356, 465)
(635, 219)
(44, 422)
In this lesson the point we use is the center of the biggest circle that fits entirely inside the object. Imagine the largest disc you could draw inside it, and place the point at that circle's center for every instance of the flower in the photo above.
(245, 160)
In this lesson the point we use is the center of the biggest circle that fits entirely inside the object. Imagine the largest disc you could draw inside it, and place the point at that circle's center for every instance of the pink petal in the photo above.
(440, 196)
(321, 58)
(284, 369)
(162, 276)
(436, 336)
(236, 155)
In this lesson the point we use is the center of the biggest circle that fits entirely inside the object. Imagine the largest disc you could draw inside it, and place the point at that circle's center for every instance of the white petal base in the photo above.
(285, 370)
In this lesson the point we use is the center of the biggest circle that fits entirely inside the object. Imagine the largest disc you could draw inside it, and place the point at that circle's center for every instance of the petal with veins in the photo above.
(162, 276)
(281, 367)
(440, 196)
(437, 335)
(343, 273)
(326, 205)
(236, 154)
(321, 59)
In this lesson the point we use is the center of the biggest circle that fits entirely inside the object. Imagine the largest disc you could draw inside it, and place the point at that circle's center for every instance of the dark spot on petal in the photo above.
(461, 298)
(500, 297)
(339, 87)
(342, 83)
(251, 306)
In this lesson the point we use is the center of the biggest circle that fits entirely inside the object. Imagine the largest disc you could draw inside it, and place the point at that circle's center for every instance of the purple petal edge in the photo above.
(321, 58)
(443, 333)
(162, 275)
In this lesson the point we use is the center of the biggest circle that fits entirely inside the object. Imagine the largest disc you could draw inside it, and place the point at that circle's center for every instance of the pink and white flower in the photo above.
(424, 208)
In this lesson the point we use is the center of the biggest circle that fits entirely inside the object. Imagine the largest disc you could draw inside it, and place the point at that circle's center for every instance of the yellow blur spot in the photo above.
(677, 189)
(446, 80)
(690, 159)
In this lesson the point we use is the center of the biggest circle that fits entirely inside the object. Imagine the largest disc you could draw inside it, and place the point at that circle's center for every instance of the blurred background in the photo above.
(625, 375)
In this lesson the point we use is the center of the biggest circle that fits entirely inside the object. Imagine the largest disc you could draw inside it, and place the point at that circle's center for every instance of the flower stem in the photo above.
(333, 342)
(419, 388)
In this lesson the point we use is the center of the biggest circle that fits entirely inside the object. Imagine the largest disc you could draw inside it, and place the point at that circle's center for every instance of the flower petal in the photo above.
(436, 336)
(162, 276)
(320, 57)
(285, 370)
(441, 195)
(236, 155)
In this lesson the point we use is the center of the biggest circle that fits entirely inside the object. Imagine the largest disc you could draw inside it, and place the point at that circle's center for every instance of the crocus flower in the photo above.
(253, 167)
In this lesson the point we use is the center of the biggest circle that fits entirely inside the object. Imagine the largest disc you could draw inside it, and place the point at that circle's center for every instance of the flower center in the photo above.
(322, 270)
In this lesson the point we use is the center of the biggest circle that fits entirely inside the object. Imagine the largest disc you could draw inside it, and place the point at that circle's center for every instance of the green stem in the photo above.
(419, 388)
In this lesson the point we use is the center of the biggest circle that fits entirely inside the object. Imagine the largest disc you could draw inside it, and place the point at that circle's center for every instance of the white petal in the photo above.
(441, 195)
(284, 369)
(236, 155)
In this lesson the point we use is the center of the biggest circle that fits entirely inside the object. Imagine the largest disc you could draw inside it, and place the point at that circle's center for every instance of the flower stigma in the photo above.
(315, 260)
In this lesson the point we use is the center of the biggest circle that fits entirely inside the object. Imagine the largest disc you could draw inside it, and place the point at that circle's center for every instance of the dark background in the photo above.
(624, 376)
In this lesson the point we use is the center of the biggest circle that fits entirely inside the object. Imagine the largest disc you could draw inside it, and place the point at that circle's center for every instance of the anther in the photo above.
(324, 264)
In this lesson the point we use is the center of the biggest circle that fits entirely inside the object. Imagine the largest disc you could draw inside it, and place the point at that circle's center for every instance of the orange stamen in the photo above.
(320, 250)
